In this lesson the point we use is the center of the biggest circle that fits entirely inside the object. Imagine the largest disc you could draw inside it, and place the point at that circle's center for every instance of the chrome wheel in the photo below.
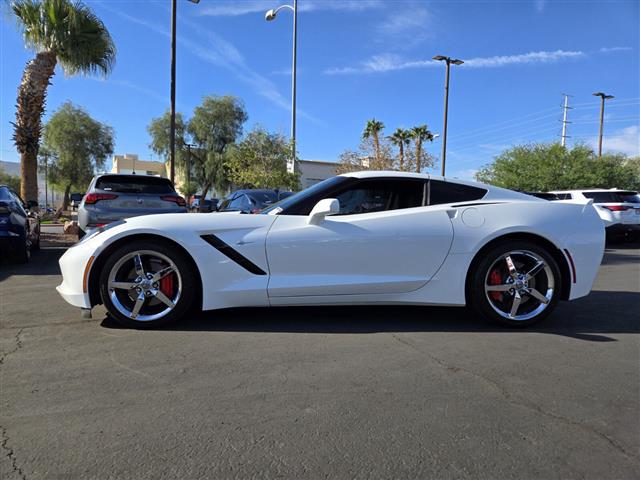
(519, 285)
(144, 285)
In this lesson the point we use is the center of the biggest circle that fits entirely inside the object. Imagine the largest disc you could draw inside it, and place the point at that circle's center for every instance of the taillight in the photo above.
(92, 198)
(174, 198)
(616, 208)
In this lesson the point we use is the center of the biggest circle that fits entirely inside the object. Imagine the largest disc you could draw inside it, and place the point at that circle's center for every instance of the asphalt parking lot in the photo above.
(320, 392)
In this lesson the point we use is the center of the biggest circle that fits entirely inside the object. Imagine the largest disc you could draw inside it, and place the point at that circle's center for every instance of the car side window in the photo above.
(19, 201)
(239, 203)
(225, 203)
(380, 195)
(440, 192)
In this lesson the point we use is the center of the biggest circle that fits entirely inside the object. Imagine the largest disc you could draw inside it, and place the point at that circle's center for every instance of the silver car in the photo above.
(113, 197)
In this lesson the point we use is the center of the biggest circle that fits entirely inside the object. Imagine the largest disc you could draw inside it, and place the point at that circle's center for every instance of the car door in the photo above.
(383, 241)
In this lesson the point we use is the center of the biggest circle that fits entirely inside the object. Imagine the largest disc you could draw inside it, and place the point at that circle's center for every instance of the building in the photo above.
(314, 171)
(130, 163)
(54, 197)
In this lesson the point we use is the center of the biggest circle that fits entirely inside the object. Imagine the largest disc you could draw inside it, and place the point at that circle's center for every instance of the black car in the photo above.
(19, 226)
(251, 200)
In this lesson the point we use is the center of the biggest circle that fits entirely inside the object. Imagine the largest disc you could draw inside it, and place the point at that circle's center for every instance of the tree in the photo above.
(401, 138)
(420, 134)
(372, 131)
(60, 31)
(79, 145)
(260, 161)
(12, 181)
(160, 130)
(550, 166)
(216, 124)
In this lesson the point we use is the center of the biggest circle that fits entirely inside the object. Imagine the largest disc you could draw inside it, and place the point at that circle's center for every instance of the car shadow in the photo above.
(591, 319)
(42, 262)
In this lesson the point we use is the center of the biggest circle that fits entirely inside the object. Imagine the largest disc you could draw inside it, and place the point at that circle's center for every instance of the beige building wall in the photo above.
(130, 163)
(314, 171)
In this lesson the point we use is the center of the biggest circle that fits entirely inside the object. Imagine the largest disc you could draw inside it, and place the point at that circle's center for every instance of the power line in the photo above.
(565, 112)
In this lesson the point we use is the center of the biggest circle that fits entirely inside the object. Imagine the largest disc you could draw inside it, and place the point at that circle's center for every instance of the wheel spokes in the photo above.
(517, 299)
(538, 296)
(513, 272)
(122, 285)
(138, 305)
(164, 299)
(159, 275)
(137, 261)
(499, 288)
(535, 270)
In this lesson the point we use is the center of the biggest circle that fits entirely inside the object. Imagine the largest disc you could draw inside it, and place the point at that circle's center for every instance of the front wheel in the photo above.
(516, 283)
(146, 284)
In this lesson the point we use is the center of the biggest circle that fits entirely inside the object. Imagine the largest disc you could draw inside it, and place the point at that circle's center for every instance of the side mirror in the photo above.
(326, 206)
(31, 204)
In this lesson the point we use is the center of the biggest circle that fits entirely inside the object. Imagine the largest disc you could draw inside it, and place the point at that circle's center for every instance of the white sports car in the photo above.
(359, 238)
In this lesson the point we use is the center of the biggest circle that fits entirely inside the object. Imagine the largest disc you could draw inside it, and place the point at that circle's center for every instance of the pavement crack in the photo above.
(509, 397)
(17, 346)
(10, 454)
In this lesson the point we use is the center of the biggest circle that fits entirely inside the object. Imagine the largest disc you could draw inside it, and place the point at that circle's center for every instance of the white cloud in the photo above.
(614, 49)
(238, 8)
(390, 62)
(540, 5)
(401, 22)
(625, 140)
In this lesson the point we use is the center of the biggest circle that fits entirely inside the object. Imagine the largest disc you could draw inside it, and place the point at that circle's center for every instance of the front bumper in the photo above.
(73, 265)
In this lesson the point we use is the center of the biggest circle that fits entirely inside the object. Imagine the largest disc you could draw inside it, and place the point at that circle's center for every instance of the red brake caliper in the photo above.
(166, 285)
(495, 278)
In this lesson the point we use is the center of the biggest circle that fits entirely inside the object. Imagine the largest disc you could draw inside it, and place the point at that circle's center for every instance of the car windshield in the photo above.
(613, 196)
(301, 196)
(134, 184)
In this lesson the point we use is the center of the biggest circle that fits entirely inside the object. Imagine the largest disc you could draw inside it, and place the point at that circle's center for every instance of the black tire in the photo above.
(485, 303)
(36, 246)
(24, 253)
(186, 271)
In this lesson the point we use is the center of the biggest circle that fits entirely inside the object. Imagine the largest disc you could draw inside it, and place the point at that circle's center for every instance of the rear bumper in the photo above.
(623, 228)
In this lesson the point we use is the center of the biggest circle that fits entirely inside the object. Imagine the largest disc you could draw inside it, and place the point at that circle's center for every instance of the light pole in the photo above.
(189, 146)
(603, 97)
(269, 16)
(172, 128)
(448, 61)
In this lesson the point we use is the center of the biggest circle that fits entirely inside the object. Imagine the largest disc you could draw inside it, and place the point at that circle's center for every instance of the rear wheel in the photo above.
(146, 284)
(516, 283)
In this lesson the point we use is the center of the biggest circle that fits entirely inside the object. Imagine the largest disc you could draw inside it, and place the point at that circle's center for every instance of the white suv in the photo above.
(618, 209)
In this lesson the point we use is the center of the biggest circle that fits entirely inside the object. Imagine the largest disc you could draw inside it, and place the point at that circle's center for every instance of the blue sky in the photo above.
(359, 59)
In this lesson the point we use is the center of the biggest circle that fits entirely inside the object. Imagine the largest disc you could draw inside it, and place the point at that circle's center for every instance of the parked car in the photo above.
(618, 209)
(19, 225)
(75, 200)
(361, 238)
(113, 197)
(210, 205)
(251, 200)
(544, 195)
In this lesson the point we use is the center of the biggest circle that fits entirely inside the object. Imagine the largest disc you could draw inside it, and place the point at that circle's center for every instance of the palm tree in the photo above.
(59, 31)
(420, 134)
(373, 130)
(401, 138)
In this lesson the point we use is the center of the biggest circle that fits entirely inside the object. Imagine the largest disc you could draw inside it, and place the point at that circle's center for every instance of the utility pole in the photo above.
(566, 109)
(603, 97)
(46, 180)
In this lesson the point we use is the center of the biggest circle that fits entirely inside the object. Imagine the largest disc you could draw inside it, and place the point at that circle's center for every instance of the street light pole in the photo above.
(448, 61)
(603, 97)
(269, 16)
(172, 128)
